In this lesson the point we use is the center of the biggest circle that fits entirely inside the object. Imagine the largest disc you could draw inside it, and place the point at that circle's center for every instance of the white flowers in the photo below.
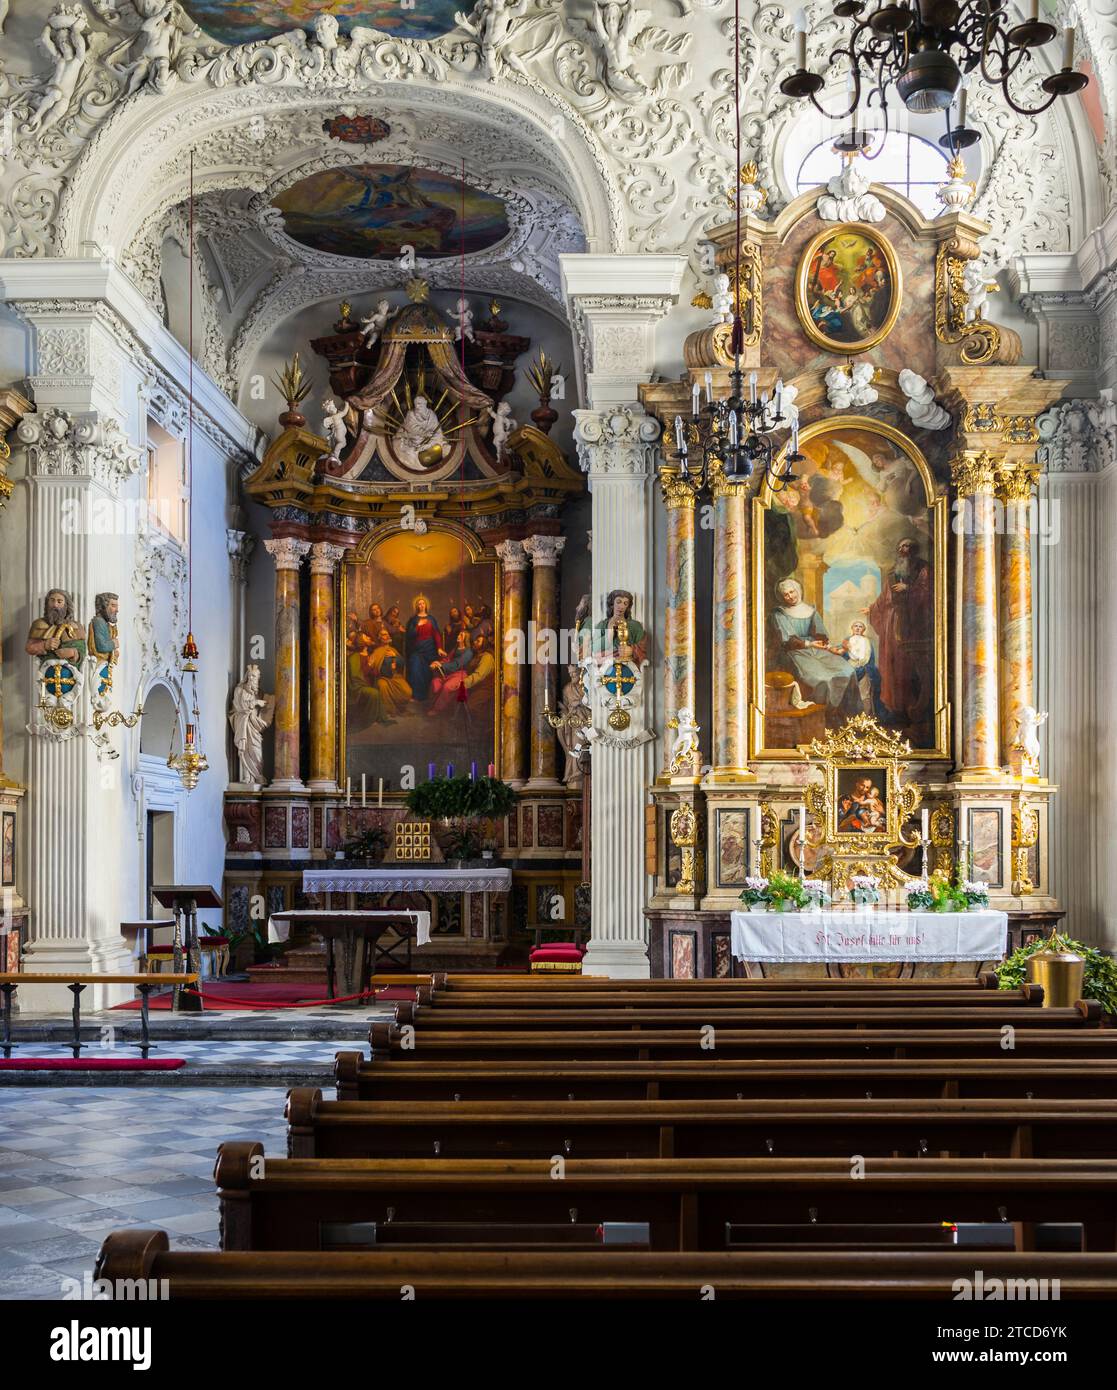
(919, 886)
(865, 881)
(976, 887)
(756, 884)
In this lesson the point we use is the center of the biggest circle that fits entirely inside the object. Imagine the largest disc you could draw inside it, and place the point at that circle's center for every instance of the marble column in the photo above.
(1016, 490)
(679, 639)
(287, 552)
(239, 546)
(972, 473)
(544, 552)
(731, 632)
(324, 558)
(513, 570)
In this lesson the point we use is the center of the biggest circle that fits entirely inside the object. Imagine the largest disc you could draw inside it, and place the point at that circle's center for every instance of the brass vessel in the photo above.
(1061, 975)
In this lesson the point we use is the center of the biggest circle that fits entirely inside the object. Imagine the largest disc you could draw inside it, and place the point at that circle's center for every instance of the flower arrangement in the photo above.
(920, 895)
(755, 891)
(976, 892)
(1099, 979)
(864, 889)
(467, 808)
(818, 892)
(779, 891)
(940, 895)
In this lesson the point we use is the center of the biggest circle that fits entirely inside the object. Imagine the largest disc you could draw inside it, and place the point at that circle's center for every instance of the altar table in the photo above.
(868, 935)
(407, 878)
(351, 929)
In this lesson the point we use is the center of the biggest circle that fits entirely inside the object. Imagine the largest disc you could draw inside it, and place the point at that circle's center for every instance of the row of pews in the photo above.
(527, 1137)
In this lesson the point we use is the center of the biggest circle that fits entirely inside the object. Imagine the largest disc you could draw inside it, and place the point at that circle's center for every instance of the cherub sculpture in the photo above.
(976, 283)
(463, 317)
(617, 23)
(503, 426)
(333, 425)
(151, 49)
(684, 749)
(65, 37)
(1028, 722)
(374, 324)
(491, 23)
(721, 300)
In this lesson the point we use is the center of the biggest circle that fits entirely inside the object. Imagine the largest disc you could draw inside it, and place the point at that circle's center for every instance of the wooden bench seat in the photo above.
(133, 1254)
(689, 1204)
(144, 981)
(1009, 1077)
(446, 1002)
(881, 1127)
(543, 984)
(387, 1040)
(914, 1016)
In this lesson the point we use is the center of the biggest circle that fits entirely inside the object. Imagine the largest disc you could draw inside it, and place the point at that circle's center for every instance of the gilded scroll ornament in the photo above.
(980, 340)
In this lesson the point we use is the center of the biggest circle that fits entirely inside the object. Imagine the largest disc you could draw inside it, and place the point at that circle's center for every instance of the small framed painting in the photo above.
(849, 288)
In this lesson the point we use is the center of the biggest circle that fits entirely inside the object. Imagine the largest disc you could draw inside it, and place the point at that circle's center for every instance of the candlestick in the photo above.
(802, 841)
(380, 792)
(800, 39)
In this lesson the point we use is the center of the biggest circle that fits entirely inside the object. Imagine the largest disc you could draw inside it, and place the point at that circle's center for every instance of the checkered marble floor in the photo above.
(78, 1162)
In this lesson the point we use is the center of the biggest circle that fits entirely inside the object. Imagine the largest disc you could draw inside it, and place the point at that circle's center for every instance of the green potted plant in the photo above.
(1099, 976)
(786, 892)
(864, 890)
(368, 847)
(466, 807)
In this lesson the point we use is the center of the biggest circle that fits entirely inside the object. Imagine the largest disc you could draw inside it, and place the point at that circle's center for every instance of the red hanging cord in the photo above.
(737, 341)
(462, 693)
(190, 418)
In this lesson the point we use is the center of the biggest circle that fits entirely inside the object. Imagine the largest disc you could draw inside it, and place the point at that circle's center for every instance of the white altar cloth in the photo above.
(868, 934)
(407, 878)
(281, 930)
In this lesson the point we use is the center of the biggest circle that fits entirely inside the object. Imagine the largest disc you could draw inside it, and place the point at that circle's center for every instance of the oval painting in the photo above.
(372, 210)
(849, 288)
(246, 21)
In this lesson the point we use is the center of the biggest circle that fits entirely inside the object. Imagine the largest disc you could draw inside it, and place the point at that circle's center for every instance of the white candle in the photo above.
(1068, 47)
(752, 387)
(348, 791)
(694, 399)
(800, 39)
(733, 428)
(926, 824)
(1034, 15)
(380, 791)
(962, 95)
(802, 829)
(680, 438)
(362, 788)
(779, 397)
(709, 379)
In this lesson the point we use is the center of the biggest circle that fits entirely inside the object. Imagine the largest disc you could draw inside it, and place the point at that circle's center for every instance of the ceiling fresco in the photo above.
(246, 21)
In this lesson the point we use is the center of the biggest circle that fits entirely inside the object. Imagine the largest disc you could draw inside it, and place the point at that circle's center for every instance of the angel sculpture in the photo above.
(503, 426)
(374, 324)
(463, 317)
(491, 23)
(721, 301)
(976, 283)
(684, 749)
(65, 37)
(333, 424)
(922, 407)
(150, 50)
(1028, 722)
(617, 23)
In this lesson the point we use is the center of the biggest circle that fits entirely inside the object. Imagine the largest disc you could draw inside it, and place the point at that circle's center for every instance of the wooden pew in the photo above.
(388, 1041)
(689, 1204)
(130, 1255)
(914, 1016)
(913, 1078)
(452, 1004)
(880, 1128)
(441, 980)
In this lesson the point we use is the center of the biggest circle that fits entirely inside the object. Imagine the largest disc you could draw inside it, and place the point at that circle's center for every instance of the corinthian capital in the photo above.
(324, 557)
(615, 442)
(512, 554)
(287, 551)
(544, 550)
(973, 471)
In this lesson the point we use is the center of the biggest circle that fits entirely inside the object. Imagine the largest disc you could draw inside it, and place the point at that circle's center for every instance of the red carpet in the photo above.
(235, 995)
(90, 1064)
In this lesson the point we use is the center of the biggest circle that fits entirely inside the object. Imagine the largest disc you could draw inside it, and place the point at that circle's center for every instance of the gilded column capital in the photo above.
(1015, 484)
(287, 551)
(678, 492)
(545, 550)
(973, 471)
(324, 557)
(513, 556)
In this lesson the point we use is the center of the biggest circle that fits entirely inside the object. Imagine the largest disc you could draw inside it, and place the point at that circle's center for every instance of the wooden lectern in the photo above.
(185, 901)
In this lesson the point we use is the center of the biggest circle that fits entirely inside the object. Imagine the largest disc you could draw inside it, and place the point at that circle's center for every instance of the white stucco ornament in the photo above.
(847, 198)
(921, 405)
(852, 386)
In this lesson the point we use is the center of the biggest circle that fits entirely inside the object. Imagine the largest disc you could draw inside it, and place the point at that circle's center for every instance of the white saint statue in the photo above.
(250, 716)
(419, 430)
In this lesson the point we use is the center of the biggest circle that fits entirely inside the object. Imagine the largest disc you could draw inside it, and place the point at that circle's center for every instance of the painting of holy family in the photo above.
(421, 657)
(851, 595)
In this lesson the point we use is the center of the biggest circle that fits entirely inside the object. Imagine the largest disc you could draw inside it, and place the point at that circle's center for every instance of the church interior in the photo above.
(638, 753)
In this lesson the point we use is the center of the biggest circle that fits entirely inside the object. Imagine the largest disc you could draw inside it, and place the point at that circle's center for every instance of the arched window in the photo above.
(913, 166)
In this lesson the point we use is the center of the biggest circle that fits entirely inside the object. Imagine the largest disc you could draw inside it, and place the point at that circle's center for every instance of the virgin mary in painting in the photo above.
(422, 648)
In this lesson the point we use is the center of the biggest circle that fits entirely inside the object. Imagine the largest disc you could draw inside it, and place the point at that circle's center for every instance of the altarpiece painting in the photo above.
(850, 590)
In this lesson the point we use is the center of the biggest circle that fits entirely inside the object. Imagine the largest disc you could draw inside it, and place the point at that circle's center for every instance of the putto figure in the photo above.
(65, 38)
(463, 318)
(374, 324)
(491, 23)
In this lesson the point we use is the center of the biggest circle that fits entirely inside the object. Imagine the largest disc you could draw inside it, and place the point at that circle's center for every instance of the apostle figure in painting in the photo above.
(619, 637)
(56, 634)
(476, 676)
(396, 629)
(903, 617)
(458, 660)
(422, 648)
(250, 716)
(365, 706)
(385, 673)
(803, 648)
(419, 430)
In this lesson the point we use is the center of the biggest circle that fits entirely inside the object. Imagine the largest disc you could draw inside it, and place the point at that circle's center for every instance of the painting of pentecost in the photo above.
(371, 210)
(850, 591)
(421, 654)
(248, 21)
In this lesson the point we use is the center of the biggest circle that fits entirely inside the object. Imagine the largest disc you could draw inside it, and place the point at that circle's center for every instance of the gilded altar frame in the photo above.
(938, 504)
(861, 750)
(359, 555)
(880, 242)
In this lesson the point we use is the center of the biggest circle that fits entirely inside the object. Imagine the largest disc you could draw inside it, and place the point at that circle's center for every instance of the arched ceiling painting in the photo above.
(245, 21)
(372, 210)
